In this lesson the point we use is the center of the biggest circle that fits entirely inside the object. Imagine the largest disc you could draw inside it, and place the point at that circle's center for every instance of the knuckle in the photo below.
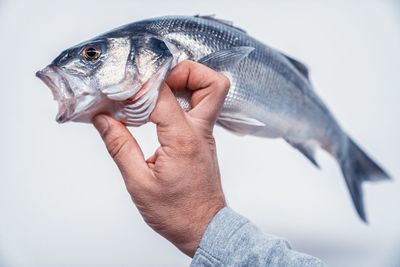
(185, 64)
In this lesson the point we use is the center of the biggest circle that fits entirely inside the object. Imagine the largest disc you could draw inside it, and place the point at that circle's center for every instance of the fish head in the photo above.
(81, 76)
(115, 74)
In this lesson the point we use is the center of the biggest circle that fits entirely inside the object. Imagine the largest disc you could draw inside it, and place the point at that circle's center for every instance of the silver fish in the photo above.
(120, 72)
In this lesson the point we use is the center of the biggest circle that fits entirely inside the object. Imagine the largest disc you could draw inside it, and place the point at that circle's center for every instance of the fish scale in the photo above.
(270, 93)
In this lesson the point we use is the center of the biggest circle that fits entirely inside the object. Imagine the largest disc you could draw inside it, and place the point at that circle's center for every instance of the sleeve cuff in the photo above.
(215, 244)
(232, 240)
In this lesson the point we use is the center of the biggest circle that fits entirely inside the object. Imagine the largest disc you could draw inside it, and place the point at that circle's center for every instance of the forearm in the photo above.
(232, 240)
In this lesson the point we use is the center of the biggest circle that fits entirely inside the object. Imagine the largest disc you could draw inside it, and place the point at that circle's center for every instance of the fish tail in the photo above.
(358, 167)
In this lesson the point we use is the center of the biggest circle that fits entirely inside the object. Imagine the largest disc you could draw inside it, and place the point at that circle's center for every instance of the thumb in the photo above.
(169, 117)
(209, 88)
(122, 147)
(167, 111)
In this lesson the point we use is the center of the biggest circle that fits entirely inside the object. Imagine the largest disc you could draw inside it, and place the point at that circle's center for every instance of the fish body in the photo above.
(120, 72)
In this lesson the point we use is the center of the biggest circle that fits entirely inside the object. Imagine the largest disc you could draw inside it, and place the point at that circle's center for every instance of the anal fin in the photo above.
(308, 151)
(239, 124)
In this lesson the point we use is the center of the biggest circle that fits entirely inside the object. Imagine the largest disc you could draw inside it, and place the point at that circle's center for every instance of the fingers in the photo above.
(123, 148)
(167, 111)
(209, 88)
(169, 117)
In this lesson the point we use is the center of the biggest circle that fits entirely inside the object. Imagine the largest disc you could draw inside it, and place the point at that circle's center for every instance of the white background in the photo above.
(63, 203)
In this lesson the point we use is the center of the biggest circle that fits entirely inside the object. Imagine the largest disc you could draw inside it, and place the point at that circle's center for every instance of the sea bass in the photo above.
(120, 73)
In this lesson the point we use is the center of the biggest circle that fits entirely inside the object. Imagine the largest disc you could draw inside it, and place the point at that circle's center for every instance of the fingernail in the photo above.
(101, 124)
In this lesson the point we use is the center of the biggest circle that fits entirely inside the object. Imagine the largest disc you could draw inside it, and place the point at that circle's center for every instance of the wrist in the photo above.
(198, 225)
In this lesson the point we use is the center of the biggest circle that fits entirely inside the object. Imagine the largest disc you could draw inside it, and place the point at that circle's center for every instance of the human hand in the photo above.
(178, 189)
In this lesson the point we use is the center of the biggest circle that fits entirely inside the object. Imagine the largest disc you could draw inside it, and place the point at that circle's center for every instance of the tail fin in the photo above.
(358, 167)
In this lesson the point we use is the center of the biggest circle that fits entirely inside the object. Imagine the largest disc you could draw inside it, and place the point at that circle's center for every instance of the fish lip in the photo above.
(61, 91)
(41, 74)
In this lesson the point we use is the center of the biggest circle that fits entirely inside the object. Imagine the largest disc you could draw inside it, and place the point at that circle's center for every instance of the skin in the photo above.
(178, 189)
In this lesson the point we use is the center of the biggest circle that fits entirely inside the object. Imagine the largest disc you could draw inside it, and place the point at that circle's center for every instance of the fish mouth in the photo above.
(61, 91)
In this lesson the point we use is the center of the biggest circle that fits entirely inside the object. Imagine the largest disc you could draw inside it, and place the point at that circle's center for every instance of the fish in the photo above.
(271, 95)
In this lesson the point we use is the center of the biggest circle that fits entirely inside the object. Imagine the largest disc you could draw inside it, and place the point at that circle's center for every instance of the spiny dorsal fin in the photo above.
(226, 22)
(298, 65)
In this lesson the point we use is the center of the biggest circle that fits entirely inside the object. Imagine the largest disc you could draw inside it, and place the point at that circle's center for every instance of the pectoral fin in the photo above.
(227, 59)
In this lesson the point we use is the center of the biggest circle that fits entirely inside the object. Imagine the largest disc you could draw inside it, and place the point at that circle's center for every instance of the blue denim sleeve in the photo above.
(232, 240)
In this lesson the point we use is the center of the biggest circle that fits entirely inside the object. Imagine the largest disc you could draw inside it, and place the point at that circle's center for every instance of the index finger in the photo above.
(208, 86)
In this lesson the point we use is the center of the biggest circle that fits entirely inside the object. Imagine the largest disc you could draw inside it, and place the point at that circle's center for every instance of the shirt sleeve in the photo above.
(232, 240)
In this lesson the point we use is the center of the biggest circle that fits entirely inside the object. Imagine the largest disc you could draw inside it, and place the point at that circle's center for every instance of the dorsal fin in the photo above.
(298, 65)
(226, 22)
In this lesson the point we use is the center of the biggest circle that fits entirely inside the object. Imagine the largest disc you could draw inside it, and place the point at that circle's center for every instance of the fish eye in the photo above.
(91, 53)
